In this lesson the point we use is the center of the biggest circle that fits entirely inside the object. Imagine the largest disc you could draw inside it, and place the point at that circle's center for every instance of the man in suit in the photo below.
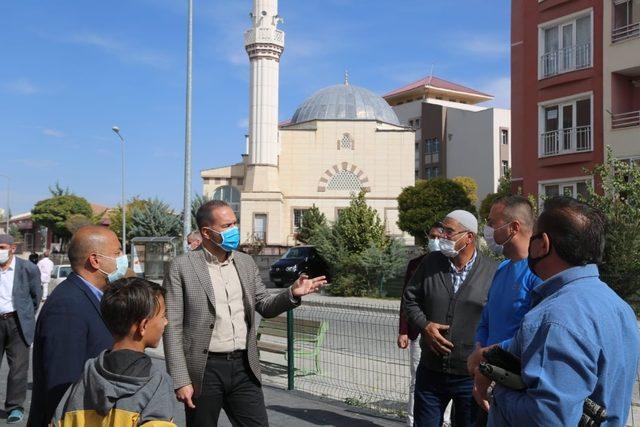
(20, 294)
(210, 341)
(70, 329)
(444, 299)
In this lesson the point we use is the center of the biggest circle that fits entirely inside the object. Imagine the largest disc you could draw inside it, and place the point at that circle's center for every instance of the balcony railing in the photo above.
(625, 120)
(566, 59)
(624, 33)
(565, 141)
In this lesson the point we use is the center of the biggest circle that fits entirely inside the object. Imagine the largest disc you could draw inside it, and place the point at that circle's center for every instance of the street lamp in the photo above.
(8, 192)
(186, 214)
(116, 130)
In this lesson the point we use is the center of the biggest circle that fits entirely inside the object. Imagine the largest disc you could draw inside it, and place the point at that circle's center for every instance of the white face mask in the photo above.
(4, 255)
(447, 247)
(434, 245)
(491, 241)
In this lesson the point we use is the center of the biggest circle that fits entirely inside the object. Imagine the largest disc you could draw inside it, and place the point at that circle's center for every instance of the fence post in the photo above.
(290, 357)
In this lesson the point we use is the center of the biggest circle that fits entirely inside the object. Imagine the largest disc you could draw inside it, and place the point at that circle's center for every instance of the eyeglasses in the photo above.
(450, 232)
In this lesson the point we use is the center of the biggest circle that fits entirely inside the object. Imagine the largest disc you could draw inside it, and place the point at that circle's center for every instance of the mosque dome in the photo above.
(345, 102)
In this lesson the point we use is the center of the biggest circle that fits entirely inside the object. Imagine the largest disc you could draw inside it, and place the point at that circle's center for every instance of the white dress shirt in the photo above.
(6, 287)
(46, 267)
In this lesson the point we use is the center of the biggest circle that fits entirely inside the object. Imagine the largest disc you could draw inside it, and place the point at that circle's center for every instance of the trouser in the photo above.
(228, 384)
(434, 391)
(45, 289)
(17, 351)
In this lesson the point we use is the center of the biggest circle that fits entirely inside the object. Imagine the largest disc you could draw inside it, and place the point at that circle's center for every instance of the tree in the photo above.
(197, 201)
(115, 216)
(427, 202)
(57, 190)
(54, 212)
(359, 226)
(311, 219)
(470, 187)
(620, 204)
(504, 189)
(155, 219)
(76, 221)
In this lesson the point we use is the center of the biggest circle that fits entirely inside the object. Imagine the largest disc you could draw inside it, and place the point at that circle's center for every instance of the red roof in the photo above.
(438, 83)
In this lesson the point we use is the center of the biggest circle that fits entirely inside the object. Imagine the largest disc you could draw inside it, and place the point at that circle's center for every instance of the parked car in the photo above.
(297, 260)
(58, 275)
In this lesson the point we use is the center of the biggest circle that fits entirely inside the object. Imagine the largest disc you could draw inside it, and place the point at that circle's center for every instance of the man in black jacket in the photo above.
(444, 299)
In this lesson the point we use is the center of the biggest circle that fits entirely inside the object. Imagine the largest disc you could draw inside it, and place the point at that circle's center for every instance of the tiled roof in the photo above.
(437, 83)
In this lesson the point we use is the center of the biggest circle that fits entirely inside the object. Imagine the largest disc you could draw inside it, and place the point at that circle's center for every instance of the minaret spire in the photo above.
(264, 43)
(346, 77)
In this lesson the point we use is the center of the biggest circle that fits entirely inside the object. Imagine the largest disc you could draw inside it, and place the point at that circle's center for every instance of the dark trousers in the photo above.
(433, 392)
(228, 384)
(11, 342)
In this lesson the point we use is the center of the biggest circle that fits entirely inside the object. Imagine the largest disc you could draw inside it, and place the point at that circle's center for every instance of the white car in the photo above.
(58, 275)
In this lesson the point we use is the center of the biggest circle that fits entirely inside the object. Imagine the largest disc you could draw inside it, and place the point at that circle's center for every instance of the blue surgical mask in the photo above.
(230, 238)
(122, 264)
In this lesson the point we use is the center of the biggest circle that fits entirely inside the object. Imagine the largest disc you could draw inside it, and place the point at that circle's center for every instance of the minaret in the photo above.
(264, 43)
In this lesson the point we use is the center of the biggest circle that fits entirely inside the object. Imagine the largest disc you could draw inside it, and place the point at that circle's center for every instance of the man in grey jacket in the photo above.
(210, 343)
(444, 299)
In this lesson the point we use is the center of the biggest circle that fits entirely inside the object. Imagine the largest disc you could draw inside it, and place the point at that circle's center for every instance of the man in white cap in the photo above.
(444, 299)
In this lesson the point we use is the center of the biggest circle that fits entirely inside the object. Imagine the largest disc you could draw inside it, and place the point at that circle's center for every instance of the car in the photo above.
(297, 260)
(58, 275)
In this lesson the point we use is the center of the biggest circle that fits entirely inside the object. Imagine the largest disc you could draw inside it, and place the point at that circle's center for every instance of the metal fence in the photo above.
(358, 361)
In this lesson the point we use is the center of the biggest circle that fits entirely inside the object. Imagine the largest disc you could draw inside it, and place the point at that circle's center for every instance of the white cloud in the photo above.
(121, 50)
(500, 88)
(484, 45)
(52, 132)
(21, 86)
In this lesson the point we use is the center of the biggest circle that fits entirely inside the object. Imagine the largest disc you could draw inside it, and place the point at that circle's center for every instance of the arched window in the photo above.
(346, 142)
(344, 180)
(230, 195)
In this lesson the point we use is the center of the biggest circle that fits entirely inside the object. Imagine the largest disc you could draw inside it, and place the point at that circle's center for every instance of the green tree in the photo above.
(197, 201)
(619, 201)
(115, 216)
(75, 221)
(470, 187)
(54, 212)
(359, 226)
(311, 219)
(427, 202)
(155, 219)
(57, 190)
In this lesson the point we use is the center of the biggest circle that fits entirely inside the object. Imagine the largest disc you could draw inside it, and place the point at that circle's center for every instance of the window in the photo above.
(624, 27)
(432, 146)
(417, 157)
(504, 136)
(578, 188)
(565, 46)
(417, 123)
(432, 172)
(346, 142)
(240, 181)
(505, 167)
(344, 180)
(230, 195)
(297, 218)
(411, 123)
(260, 227)
(566, 127)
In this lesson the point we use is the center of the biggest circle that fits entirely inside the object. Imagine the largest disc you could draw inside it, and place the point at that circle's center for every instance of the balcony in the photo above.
(626, 32)
(625, 120)
(565, 60)
(566, 141)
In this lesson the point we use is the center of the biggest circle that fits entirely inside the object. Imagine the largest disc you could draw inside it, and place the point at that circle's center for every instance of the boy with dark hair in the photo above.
(121, 387)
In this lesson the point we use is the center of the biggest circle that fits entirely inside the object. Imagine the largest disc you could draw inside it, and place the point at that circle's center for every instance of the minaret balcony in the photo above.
(264, 35)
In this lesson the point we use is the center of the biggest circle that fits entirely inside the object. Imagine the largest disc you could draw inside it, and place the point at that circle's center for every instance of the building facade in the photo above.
(454, 135)
(556, 94)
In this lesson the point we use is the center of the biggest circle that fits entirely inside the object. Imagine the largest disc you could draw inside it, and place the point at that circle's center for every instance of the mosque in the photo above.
(341, 140)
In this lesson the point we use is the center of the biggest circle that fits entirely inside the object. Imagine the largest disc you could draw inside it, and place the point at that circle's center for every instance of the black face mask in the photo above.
(532, 262)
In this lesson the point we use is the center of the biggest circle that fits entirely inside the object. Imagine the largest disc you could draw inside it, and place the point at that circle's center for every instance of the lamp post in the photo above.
(186, 214)
(116, 130)
(8, 197)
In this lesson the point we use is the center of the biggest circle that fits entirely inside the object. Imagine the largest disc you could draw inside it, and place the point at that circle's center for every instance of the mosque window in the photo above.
(230, 195)
(344, 180)
(346, 142)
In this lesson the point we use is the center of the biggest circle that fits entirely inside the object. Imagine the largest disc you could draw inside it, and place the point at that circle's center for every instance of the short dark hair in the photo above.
(517, 207)
(128, 301)
(576, 230)
(204, 216)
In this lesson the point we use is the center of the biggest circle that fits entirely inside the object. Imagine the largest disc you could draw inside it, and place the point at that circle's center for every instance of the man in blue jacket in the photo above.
(70, 329)
(579, 339)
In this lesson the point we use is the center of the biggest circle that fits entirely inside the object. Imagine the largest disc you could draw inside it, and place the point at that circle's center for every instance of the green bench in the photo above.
(308, 338)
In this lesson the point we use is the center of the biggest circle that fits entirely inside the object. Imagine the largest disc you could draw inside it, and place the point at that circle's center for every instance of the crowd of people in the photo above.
(575, 340)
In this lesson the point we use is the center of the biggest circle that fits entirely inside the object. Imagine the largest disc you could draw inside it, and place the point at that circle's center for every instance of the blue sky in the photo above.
(70, 70)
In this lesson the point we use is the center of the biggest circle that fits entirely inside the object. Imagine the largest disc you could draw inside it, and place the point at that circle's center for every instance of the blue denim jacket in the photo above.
(579, 340)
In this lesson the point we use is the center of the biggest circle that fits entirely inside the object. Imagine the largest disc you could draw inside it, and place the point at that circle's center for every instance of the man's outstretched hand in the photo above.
(305, 286)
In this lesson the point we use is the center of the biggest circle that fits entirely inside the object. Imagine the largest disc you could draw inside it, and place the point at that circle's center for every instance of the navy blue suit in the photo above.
(69, 331)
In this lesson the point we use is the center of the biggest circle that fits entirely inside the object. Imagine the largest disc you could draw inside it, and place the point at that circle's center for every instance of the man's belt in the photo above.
(237, 354)
(5, 316)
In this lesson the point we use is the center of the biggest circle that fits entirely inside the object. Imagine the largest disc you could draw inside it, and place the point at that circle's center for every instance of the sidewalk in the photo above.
(285, 408)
